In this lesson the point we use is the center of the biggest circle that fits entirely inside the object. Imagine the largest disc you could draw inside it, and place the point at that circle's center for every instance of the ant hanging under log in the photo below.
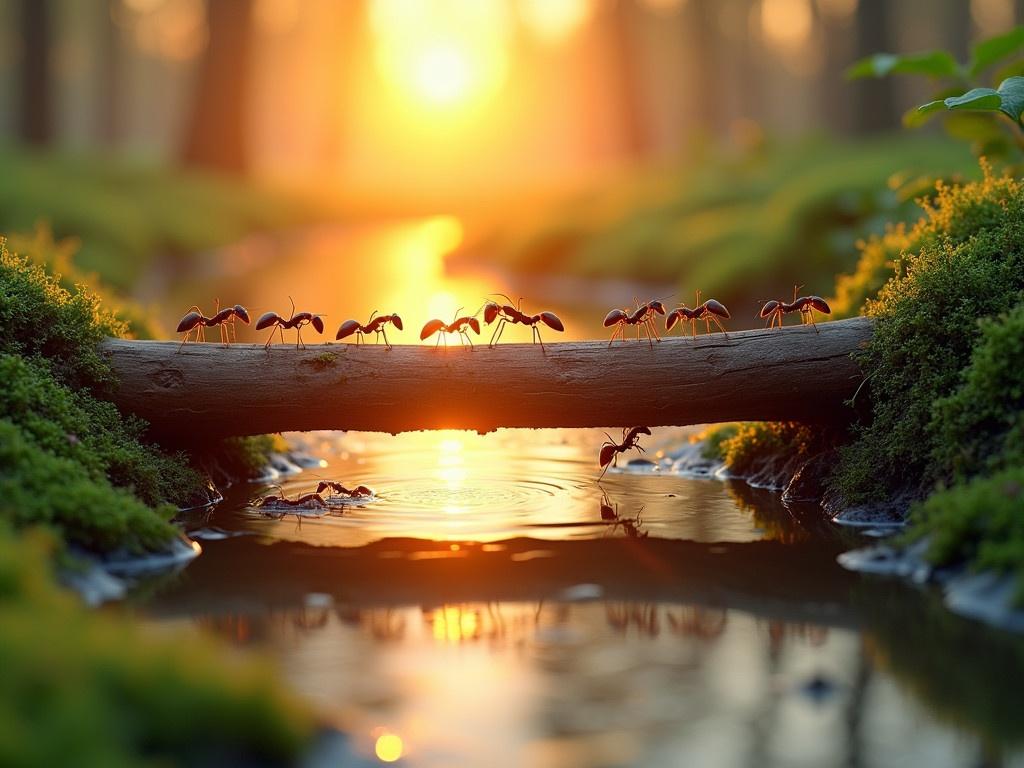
(805, 305)
(196, 322)
(296, 321)
(460, 325)
(506, 313)
(642, 317)
(373, 325)
(611, 450)
(708, 311)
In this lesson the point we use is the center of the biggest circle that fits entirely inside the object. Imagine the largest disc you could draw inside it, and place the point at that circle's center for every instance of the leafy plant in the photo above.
(977, 108)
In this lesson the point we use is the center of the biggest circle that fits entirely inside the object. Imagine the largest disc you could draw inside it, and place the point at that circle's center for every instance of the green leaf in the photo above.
(988, 52)
(931, 63)
(983, 99)
(1011, 91)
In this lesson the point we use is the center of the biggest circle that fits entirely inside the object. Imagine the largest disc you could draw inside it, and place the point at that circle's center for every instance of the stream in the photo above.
(493, 605)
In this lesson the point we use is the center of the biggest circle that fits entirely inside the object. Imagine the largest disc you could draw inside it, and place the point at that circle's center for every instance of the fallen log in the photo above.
(206, 390)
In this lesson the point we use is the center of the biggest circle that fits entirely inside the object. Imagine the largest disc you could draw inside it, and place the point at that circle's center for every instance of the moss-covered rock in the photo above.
(95, 691)
(980, 522)
(965, 262)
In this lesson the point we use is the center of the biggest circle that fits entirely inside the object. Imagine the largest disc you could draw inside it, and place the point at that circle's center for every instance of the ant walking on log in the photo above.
(506, 313)
(708, 311)
(805, 305)
(641, 317)
(296, 321)
(373, 325)
(460, 325)
(196, 322)
(610, 450)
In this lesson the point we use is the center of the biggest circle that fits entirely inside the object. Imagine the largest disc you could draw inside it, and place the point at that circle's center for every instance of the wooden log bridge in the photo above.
(207, 390)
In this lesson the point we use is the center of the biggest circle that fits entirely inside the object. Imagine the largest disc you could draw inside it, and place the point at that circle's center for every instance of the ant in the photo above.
(296, 321)
(302, 501)
(506, 313)
(195, 320)
(359, 492)
(641, 317)
(460, 325)
(611, 515)
(805, 305)
(611, 449)
(708, 311)
(373, 325)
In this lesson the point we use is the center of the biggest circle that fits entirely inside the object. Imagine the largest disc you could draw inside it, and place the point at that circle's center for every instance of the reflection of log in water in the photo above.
(207, 391)
(764, 577)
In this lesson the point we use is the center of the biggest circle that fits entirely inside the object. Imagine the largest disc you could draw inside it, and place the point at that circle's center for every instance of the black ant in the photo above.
(711, 309)
(359, 492)
(506, 313)
(282, 503)
(460, 325)
(296, 321)
(641, 317)
(196, 321)
(373, 325)
(805, 305)
(610, 450)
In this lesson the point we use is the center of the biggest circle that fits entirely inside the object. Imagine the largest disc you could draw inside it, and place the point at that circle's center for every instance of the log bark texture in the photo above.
(205, 390)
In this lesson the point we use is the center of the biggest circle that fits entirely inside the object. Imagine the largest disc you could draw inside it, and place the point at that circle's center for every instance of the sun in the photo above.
(442, 74)
(442, 55)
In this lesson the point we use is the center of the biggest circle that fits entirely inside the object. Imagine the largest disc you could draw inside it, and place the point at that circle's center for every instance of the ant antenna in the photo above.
(504, 296)
(293, 307)
(371, 315)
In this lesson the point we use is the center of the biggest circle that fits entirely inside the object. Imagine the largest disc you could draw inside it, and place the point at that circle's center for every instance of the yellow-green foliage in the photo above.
(125, 213)
(740, 229)
(980, 521)
(965, 262)
(712, 439)
(756, 441)
(89, 690)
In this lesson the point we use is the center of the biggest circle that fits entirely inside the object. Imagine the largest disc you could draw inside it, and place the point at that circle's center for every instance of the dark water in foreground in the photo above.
(494, 606)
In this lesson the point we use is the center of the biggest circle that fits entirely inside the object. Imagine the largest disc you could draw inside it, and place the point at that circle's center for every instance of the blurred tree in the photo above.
(36, 115)
(110, 60)
(875, 102)
(216, 137)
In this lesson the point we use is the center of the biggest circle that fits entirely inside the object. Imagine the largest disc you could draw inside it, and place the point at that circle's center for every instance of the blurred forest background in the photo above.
(668, 140)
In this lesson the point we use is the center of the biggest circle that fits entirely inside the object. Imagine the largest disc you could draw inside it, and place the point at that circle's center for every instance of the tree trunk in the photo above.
(875, 100)
(205, 391)
(36, 110)
(216, 137)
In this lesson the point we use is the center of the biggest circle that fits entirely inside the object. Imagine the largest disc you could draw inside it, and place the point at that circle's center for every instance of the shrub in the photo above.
(965, 261)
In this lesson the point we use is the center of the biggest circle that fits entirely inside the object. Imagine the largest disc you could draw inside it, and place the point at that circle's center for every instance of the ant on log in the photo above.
(708, 311)
(610, 449)
(296, 321)
(805, 305)
(641, 317)
(506, 313)
(460, 325)
(195, 321)
(373, 325)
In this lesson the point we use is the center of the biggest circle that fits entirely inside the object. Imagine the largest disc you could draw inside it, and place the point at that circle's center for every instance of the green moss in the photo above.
(93, 433)
(980, 521)
(103, 691)
(964, 262)
(39, 488)
(980, 426)
(45, 321)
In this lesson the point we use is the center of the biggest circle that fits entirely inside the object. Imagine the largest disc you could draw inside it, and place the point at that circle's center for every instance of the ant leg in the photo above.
(644, 326)
(693, 328)
(439, 334)
(501, 330)
(385, 335)
(719, 324)
(653, 327)
(810, 316)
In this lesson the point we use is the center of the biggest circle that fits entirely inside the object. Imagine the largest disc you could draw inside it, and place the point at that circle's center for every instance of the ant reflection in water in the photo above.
(610, 515)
